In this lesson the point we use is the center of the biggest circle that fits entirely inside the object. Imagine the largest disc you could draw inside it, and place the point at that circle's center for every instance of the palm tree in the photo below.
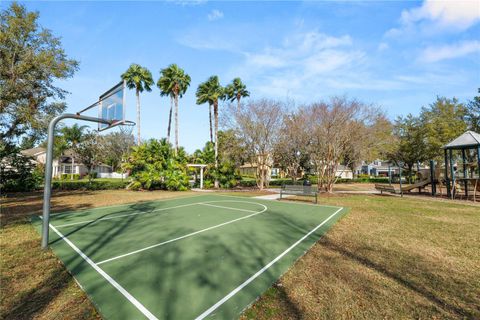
(211, 91)
(236, 90)
(203, 97)
(173, 82)
(72, 136)
(138, 78)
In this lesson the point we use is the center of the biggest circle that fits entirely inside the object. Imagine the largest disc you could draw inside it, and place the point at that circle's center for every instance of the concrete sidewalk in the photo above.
(272, 196)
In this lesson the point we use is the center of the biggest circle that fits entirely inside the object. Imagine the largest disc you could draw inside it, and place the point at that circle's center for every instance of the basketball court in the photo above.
(200, 257)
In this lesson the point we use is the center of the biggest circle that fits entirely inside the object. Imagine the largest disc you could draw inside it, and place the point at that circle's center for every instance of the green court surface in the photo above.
(207, 256)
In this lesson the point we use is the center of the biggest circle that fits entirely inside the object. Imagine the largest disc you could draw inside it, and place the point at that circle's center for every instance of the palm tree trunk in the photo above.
(215, 114)
(210, 115)
(238, 102)
(170, 119)
(138, 117)
(176, 123)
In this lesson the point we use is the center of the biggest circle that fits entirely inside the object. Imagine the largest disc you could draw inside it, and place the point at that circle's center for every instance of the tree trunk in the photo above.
(215, 114)
(176, 123)
(238, 102)
(262, 178)
(170, 119)
(138, 117)
(210, 115)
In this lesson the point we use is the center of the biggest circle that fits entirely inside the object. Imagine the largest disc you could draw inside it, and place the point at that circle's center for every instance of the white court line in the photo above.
(125, 215)
(259, 272)
(288, 202)
(124, 205)
(115, 284)
(188, 235)
(229, 208)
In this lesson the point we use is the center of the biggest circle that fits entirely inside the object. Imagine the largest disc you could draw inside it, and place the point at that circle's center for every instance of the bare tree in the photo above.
(257, 125)
(116, 146)
(88, 151)
(334, 128)
(373, 140)
(292, 145)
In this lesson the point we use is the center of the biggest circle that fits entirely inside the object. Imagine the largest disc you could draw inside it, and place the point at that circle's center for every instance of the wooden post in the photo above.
(433, 178)
(400, 173)
(465, 182)
(478, 161)
(452, 173)
(389, 175)
(447, 180)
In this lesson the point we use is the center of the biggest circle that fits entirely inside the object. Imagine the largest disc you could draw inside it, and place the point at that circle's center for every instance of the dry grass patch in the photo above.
(34, 283)
(388, 258)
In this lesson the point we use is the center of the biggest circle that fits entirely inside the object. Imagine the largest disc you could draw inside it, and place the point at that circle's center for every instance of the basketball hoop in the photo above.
(111, 113)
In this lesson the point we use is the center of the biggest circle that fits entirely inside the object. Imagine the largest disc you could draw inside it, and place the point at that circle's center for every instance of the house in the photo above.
(344, 172)
(248, 169)
(38, 154)
(381, 168)
(67, 164)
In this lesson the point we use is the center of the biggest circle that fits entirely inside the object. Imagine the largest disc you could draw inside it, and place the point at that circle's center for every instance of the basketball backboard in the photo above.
(111, 107)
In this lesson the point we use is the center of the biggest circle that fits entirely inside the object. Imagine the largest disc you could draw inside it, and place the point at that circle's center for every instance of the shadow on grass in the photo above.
(29, 304)
(404, 281)
(18, 207)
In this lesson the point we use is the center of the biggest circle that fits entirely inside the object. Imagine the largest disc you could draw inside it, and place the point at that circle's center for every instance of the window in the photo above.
(68, 169)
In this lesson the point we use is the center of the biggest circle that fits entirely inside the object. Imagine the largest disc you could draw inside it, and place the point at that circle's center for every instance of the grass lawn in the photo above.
(388, 258)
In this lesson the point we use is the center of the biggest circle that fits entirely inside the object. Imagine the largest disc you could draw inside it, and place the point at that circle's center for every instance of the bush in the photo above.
(282, 181)
(154, 165)
(18, 172)
(248, 183)
(68, 176)
(92, 175)
(89, 185)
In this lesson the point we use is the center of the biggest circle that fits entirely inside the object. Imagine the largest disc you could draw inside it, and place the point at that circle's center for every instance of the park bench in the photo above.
(385, 187)
(298, 190)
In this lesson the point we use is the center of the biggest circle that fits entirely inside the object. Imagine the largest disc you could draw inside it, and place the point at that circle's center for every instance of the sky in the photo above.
(398, 55)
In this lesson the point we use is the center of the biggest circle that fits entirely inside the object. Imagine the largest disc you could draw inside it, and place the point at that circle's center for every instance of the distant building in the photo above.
(63, 164)
(381, 168)
(38, 154)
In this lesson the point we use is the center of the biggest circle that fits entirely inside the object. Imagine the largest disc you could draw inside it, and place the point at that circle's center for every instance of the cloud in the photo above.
(435, 54)
(215, 15)
(457, 14)
(303, 63)
(185, 3)
(196, 40)
(435, 15)
(383, 46)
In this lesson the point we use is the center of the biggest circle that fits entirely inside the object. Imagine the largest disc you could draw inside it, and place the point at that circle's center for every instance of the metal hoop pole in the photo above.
(47, 192)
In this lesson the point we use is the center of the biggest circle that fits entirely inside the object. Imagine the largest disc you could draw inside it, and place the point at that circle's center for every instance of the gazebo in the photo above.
(467, 142)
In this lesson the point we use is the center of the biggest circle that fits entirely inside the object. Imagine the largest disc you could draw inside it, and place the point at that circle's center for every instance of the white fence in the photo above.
(112, 175)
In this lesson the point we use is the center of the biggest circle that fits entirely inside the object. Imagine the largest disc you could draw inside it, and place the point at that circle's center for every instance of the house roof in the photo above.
(33, 151)
(467, 140)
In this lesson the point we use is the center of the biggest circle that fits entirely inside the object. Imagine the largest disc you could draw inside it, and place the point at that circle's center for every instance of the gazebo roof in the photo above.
(467, 140)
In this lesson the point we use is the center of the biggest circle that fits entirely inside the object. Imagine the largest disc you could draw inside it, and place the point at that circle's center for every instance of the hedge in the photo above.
(313, 180)
(87, 185)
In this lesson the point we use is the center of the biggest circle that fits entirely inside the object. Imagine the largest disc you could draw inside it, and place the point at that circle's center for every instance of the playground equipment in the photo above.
(460, 176)
(466, 173)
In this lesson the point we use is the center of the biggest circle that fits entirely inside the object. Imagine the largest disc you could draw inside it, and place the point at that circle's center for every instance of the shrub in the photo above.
(89, 185)
(18, 172)
(248, 183)
(68, 176)
(92, 175)
(154, 165)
